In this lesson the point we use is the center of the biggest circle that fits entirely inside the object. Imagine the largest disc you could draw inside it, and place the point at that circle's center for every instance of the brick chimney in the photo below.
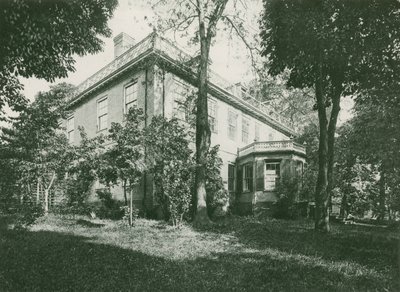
(122, 42)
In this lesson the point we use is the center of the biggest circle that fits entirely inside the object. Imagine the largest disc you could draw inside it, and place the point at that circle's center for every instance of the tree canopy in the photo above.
(338, 47)
(39, 38)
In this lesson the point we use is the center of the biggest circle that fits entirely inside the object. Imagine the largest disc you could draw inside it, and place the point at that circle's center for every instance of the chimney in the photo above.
(122, 42)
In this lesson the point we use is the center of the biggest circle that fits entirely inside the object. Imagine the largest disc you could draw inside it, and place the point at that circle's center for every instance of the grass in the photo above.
(77, 254)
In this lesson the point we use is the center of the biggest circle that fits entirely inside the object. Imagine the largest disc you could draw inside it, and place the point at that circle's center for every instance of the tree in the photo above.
(39, 38)
(335, 47)
(124, 160)
(294, 104)
(169, 160)
(374, 139)
(200, 19)
(34, 141)
(83, 169)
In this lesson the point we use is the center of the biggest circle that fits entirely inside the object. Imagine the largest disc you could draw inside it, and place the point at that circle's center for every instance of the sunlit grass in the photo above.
(66, 253)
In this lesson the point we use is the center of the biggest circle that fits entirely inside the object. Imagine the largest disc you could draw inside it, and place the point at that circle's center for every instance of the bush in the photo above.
(287, 191)
(173, 190)
(77, 189)
(28, 214)
(109, 208)
(217, 196)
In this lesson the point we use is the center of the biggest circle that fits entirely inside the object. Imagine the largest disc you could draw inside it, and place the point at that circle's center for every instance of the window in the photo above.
(245, 130)
(130, 96)
(232, 122)
(248, 177)
(231, 177)
(212, 116)
(257, 132)
(181, 108)
(70, 129)
(102, 114)
(271, 175)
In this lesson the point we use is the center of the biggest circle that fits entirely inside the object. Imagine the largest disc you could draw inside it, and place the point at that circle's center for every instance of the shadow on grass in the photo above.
(365, 248)
(51, 261)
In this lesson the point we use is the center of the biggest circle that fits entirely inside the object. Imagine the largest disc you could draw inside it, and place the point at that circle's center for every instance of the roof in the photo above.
(154, 44)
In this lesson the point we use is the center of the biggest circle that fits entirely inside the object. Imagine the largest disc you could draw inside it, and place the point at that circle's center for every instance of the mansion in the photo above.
(256, 143)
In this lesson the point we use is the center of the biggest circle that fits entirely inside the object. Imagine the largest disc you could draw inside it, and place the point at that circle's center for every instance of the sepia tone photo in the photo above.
(199, 145)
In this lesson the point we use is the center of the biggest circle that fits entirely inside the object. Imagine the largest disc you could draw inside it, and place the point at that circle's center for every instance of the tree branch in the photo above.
(243, 38)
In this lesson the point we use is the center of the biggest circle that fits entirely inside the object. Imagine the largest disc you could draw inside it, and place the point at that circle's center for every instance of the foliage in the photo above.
(217, 196)
(287, 191)
(28, 215)
(371, 139)
(309, 138)
(169, 161)
(10, 175)
(82, 173)
(292, 103)
(204, 17)
(110, 208)
(336, 47)
(38, 153)
(39, 38)
(124, 160)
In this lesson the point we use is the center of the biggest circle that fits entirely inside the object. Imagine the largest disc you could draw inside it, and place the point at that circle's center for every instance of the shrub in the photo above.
(169, 160)
(28, 214)
(217, 196)
(109, 208)
(77, 190)
(287, 191)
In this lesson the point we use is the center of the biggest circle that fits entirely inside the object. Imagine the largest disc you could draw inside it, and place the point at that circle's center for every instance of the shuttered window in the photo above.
(260, 175)
(248, 177)
(231, 177)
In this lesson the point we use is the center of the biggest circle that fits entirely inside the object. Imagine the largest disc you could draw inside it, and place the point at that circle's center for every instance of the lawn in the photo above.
(72, 254)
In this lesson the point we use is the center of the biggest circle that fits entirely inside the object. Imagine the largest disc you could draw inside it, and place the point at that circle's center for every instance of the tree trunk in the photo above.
(38, 191)
(207, 30)
(382, 195)
(46, 201)
(130, 205)
(46, 194)
(343, 207)
(321, 192)
(203, 133)
(337, 82)
(125, 197)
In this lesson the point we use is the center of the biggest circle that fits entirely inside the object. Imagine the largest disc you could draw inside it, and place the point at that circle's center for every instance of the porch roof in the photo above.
(272, 147)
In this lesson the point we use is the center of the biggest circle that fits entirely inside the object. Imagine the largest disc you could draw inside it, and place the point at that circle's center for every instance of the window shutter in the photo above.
(259, 175)
(239, 178)
(286, 169)
(251, 176)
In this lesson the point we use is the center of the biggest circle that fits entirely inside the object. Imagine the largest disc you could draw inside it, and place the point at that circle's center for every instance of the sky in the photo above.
(132, 17)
